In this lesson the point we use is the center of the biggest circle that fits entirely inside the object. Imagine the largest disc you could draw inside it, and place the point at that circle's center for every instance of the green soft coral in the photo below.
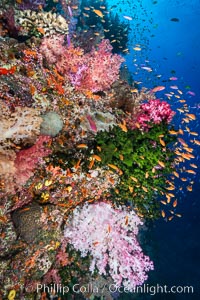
(137, 154)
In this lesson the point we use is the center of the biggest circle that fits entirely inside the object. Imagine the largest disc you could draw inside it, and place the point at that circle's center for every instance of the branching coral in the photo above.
(46, 23)
(109, 235)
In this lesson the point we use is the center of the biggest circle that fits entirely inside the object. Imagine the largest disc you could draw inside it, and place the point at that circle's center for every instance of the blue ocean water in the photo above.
(169, 35)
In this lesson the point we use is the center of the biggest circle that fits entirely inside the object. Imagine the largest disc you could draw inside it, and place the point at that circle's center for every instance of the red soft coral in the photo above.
(27, 159)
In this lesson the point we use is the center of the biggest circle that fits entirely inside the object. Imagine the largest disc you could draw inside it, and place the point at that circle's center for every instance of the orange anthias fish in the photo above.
(163, 213)
(162, 143)
(191, 116)
(98, 158)
(98, 13)
(158, 88)
(123, 126)
(82, 146)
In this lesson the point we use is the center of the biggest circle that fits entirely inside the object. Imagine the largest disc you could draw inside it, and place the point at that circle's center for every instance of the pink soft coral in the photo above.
(154, 111)
(109, 235)
(95, 71)
(103, 68)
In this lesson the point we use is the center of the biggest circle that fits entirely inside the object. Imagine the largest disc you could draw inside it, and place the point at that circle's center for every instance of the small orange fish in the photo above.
(162, 143)
(189, 188)
(197, 142)
(113, 167)
(189, 149)
(193, 166)
(121, 157)
(95, 243)
(82, 146)
(30, 53)
(134, 179)
(174, 203)
(191, 171)
(137, 125)
(183, 179)
(176, 174)
(171, 188)
(130, 189)
(98, 13)
(163, 202)
(182, 142)
(3, 219)
(91, 163)
(43, 297)
(163, 213)
(145, 189)
(25, 209)
(123, 126)
(161, 164)
(126, 220)
(109, 228)
(168, 198)
(173, 132)
(41, 30)
(77, 165)
(99, 148)
(32, 89)
(180, 110)
(178, 215)
(181, 132)
(194, 133)
(191, 116)
(170, 218)
(134, 91)
(187, 156)
(98, 158)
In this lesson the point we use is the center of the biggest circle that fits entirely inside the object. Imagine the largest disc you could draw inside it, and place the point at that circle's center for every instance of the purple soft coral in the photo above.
(110, 236)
